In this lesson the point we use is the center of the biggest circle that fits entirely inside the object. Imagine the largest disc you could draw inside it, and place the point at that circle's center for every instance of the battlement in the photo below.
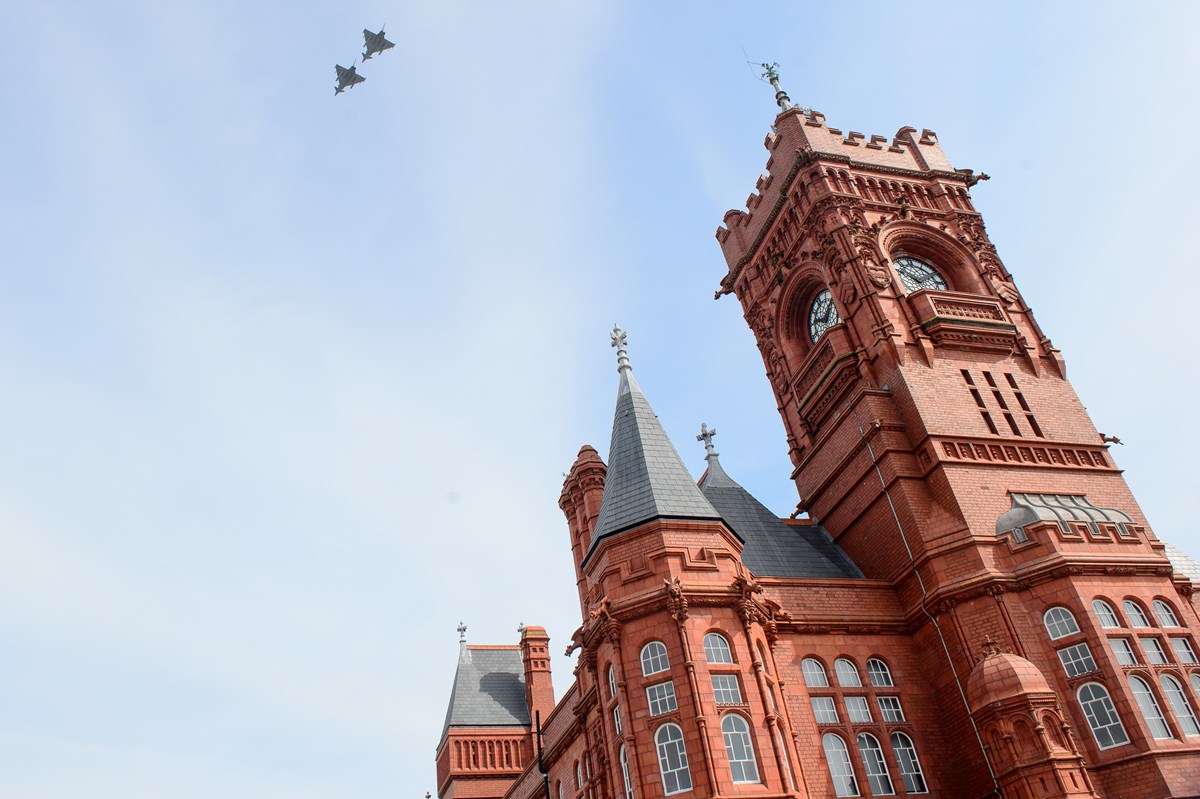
(801, 138)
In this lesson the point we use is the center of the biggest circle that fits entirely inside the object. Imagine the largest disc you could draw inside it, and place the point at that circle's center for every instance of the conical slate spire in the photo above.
(646, 478)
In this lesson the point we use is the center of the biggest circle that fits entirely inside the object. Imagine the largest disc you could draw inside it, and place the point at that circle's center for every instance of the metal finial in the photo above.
(520, 628)
(618, 341)
(706, 436)
(771, 73)
(462, 633)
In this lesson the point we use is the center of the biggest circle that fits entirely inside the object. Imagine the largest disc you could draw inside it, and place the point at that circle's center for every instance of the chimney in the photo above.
(539, 689)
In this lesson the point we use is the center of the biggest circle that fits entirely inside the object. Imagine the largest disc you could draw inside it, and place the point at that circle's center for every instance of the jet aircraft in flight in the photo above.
(346, 78)
(375, 43)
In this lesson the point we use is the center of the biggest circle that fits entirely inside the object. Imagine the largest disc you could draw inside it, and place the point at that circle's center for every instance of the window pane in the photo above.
(879, 674)
(838, 760)
(1060, 622)
(814, 673)
(876, 767)
(858, 710)
(1106, 615)
(1154, 651)
(672, 759)
(654, 658)
(612, 683)
(1124, 651)
(889, 706)
(824, 710)
(661, 698)
(1077, 660)
(1183, 650)
(910, 767)
(1101, 716)
(1180, 705)
(1149, 707)
(1137, 616)
(617, 719)
(625, 773)
(716, 649)
(847, 673)
(1166, 616)
(739, 749)
(726, 689)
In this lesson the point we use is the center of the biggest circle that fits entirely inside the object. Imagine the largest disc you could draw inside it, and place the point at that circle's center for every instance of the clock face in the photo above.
(918, 275)
(822, 315)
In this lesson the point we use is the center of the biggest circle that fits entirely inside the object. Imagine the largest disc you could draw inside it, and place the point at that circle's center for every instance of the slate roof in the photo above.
(489, 689)
(1183, 563)
(774, 548)
(646, 478)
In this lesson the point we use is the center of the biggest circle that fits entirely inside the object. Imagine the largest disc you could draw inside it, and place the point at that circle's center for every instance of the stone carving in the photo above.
(677, 604)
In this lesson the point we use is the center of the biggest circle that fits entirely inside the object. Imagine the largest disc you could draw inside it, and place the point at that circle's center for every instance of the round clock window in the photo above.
(918, 275)
(822, 315)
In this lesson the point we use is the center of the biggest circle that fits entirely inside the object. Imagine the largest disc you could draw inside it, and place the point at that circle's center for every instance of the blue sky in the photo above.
(290, 380)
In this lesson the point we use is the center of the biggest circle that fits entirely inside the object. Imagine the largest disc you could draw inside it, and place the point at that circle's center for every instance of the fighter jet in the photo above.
(375, 43)
(346, 78)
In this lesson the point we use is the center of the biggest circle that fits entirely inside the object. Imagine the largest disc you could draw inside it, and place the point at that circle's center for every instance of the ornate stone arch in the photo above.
(792, 311)
(955, 262)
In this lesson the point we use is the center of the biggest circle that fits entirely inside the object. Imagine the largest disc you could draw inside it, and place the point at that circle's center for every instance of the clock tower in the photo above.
(934, 434)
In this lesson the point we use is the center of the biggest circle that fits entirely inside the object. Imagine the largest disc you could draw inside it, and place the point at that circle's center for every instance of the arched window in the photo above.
(877, 771)
(1195, 678)
(1149, 707)
(1060, 622)
(1166, 616)
(917, 275)
(716, 649)
(910, 767)
(1180, 705)
(762, 655)
(612, 682)
(739, 749)
(814, 673)
(1135, 614)
(625, 773)
(654, 658)
(879, 673)
(558, 789)
(578, 776)
(847, 673)
(838, 759)
(1106, 615)
(1101, 716)
(672, 759)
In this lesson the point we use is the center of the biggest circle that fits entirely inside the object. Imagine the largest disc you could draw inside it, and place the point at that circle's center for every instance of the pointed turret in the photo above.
(646, 479)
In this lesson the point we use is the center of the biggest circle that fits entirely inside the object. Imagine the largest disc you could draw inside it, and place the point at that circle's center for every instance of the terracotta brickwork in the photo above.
(1017, 631)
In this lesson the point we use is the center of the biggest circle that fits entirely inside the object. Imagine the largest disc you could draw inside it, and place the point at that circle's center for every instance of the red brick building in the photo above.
(976, 605)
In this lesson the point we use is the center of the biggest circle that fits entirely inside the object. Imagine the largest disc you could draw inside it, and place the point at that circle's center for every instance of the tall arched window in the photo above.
(1135, 614)
(847, 673)
(1101, 716)
(716, 649)
(739, 749)
(1060, 622)
(1195, 678)
(1166, 616)
(1180, 706)
(910, 766)
(877, 771)
(879, 673)
(762, 655)
(672, 759)
(838, 759)
(654, 658)
(625, 773)
(1106, 615)
(558, 789)
(612, 682)
(814, 673)
(1149, 707)
(578, 776)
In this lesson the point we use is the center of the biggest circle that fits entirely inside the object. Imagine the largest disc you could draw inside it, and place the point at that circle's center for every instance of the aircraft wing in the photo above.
(355, 78)
(341, 70)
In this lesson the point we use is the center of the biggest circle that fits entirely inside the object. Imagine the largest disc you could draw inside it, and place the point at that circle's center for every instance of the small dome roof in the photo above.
(1002, 675)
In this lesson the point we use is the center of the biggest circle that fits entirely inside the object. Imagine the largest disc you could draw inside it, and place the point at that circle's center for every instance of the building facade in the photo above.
(975, 605)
